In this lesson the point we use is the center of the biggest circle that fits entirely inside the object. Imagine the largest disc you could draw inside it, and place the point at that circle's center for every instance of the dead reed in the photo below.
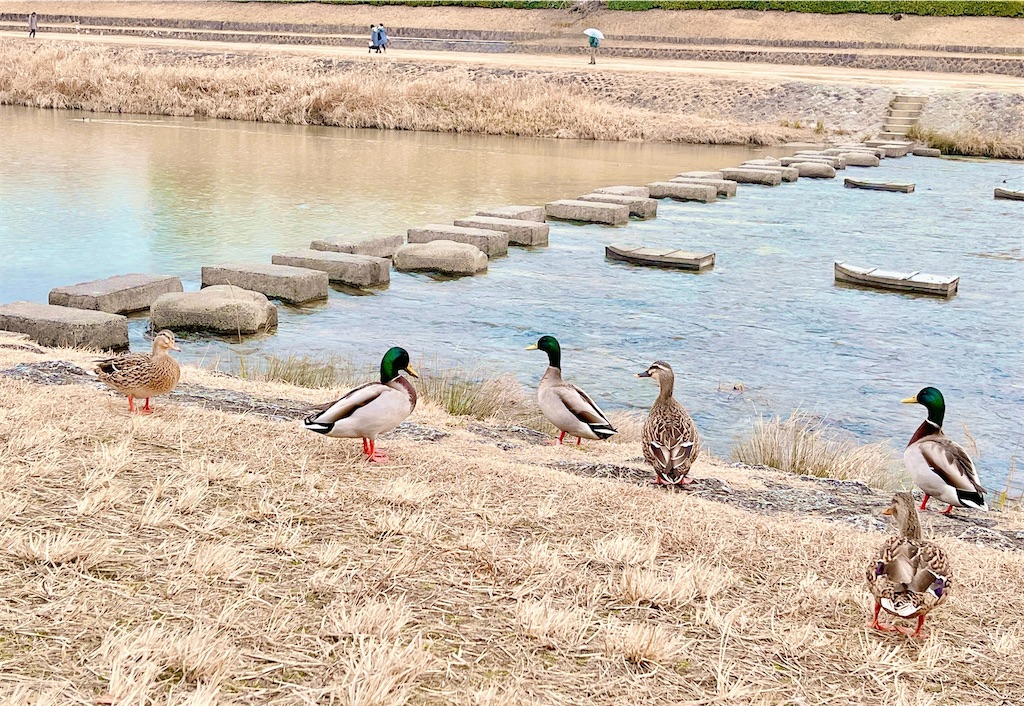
(970, 143)
(301, 91)
(806, 445)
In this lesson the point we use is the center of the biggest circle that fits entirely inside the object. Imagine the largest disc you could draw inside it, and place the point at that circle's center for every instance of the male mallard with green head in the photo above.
(669, 438)
(940, 466)
(143, 375)
(566, 406)
(909, 576)
(370, 409)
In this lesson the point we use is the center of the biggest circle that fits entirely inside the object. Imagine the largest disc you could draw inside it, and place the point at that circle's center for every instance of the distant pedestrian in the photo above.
(383, 36)
(594, 44)
(374, 36)
(33, 25)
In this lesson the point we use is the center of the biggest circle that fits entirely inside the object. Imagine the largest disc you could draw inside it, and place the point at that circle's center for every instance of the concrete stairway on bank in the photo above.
(904, 113)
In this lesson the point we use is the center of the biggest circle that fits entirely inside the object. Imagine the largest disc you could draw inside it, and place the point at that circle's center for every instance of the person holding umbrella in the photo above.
(595, 41)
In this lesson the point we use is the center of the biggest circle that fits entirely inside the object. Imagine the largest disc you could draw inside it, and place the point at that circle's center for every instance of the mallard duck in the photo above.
(370, 409)
(143, 374)
(909, 576)
(669, 438)
(940, 466)
(566, 406)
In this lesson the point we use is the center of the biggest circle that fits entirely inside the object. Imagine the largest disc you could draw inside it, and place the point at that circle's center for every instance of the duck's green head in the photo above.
(932, 400)
(393, 362)
(549, 345)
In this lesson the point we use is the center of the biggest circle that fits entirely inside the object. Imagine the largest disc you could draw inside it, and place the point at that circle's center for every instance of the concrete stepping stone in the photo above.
(638, 206)
(753, 176)
(765, 162)
(523, 213)
(353, 270)
(373, 245)
(519, 231)
(861, 159)
(294, 285)
(926, 152)
(835, 161)
(223, 308)
(121, 294)
(723, 187)
(788, 173)
(491, 242)
(639, 191)
(845, 149)
(50, 325)
(702, 175)
(682, 191)
(815, 170)
(588, 212)
(443, 256)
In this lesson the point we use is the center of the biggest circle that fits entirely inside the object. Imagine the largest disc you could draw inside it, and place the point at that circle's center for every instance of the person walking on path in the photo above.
(382, 35)
(33, 25)
(594, 44)
(374, 39)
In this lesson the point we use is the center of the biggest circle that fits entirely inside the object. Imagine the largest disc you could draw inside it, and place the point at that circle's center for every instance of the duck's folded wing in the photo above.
(122, 363)
(354, 400)
(579, 403)
(950, 461)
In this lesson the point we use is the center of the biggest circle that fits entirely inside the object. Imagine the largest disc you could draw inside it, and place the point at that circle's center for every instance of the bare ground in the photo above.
(214, 552)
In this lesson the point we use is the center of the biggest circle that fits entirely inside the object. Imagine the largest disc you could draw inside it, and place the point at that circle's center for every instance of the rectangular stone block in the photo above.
(639, 191)
(702, 175)
(588, 212)
(787, 173)
(490, 242)
(834, 162)
(523, 213)
(723, 187)
(374, 245)
(519, 231)
(926, 152)
(638, 206)
(346, 268)
(50, 325)
(682, 191)
(753, 176)
(115, 295)
(845, 149)
(294, 285)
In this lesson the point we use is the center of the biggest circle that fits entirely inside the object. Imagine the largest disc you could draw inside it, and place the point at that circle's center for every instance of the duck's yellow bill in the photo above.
(910, 400)
(888, 511)
(532, 348)
(412, 372)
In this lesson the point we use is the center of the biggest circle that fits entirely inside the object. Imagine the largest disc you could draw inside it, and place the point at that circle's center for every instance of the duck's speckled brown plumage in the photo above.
(909, 576)
(669, 438)
(142, 375)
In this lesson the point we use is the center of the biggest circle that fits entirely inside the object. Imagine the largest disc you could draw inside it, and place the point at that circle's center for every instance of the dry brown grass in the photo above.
(971, 142)
(297, 91)
(234, 559)
(807, 445)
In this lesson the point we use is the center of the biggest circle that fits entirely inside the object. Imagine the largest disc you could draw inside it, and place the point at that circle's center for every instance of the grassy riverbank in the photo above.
(204, 556)
(300, 91)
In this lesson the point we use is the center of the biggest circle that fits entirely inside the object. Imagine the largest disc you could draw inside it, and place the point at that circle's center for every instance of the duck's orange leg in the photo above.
(375, 456)
(131, 404)
(947, 511)
(875, 625)
(924, 503)
(579, 440)
(146, 409)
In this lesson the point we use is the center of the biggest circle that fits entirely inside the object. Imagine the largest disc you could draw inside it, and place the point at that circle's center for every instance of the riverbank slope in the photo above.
(216, 550)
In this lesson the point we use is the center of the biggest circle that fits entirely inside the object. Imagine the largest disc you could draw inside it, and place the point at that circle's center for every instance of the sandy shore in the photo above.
(215, 551)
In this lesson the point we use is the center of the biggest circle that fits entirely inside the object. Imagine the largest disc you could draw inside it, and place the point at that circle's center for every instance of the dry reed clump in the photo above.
(291, 90)
(463, 572)
(971, 143)
(804, 444)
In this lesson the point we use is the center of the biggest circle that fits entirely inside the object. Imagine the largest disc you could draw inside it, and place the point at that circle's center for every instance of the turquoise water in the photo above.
(82, 200)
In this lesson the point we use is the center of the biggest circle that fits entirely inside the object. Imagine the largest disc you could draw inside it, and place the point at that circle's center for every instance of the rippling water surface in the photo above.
(81, 200)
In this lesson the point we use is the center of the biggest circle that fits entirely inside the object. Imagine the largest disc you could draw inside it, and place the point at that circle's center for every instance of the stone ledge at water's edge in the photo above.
(223, 308)
(121, 294)
(56, 326)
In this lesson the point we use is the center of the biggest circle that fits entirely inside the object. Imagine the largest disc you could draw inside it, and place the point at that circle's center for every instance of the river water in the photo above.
(82, 199)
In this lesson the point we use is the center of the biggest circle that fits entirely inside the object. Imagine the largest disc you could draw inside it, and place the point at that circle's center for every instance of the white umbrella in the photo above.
(593, 33)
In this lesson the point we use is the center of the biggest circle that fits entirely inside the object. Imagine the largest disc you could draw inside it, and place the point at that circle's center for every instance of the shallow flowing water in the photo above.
(87, 199)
